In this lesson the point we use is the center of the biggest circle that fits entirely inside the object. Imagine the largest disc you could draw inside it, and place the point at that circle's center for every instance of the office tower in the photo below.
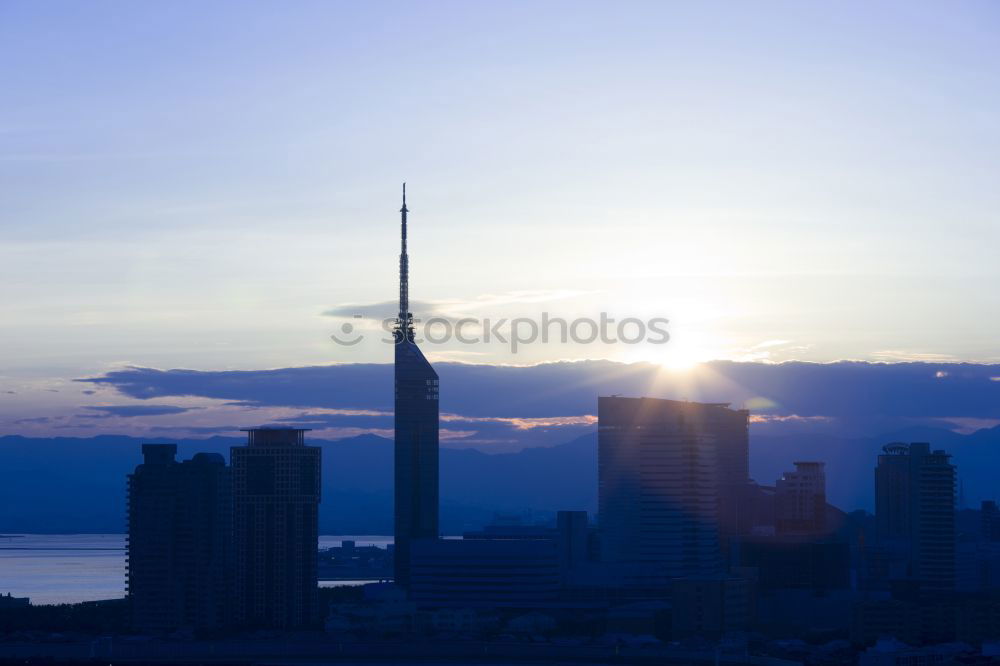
(179, 541)
(800, 501)
(731, 428)
(915, 508)
(276, 494)
(416, 437)
(662, 465)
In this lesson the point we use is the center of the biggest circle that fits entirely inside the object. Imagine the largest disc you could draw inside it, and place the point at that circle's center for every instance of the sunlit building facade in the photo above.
(800, 501)
(662, 468)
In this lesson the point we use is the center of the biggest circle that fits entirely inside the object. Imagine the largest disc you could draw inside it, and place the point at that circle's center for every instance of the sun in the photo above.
(680, 359)
(675, 356)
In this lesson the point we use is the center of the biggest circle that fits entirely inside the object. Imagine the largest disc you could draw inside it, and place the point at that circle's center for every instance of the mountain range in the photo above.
(65, 485)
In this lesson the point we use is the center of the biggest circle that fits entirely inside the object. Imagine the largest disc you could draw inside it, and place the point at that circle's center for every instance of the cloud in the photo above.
(359, 386)
(456, 430)
(526, 423)
(377, 311)
(455, 308)
(850, 390)
(896, 355)
(771, 343)
(129, 411)
(967, 425)
(375, 420)
(200, 430)
(791, 418)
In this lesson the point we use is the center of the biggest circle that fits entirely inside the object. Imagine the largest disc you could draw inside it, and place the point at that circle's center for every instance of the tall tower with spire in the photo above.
(404, 322)
(416, 438)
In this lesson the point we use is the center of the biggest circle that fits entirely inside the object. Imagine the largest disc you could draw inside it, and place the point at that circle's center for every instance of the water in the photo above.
(63, 568)
(70, 568)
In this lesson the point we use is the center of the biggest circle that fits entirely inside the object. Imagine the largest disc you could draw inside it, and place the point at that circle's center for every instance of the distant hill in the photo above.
(850, 462)
(78, 485)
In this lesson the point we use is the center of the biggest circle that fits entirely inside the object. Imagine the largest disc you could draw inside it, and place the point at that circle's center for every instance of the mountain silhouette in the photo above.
(78, 485)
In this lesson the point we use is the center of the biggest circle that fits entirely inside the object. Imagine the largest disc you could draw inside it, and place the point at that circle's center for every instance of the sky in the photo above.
(215, 186)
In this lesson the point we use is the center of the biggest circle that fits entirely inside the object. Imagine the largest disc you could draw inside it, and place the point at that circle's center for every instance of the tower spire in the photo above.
(404, 322)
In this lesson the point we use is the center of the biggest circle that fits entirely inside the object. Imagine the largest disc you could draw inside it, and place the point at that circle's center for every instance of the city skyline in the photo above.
(688, 354)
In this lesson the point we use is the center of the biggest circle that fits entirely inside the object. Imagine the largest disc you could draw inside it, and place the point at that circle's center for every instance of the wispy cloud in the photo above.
(456, 308)
(198, 430)
(527, 423)
(130, 411)
(789, 418)
(37, 419)
(771, 343)
(906, 355)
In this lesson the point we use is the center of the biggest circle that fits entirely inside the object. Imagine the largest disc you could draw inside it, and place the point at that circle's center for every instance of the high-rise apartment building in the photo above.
(915, 510)
(800, 501)
(179, 541)
(276, 494)
(663, 468)
(416, 434)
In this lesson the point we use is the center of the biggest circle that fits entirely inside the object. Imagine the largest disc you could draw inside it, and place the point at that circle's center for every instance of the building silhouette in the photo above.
(573, 530)
(663, 468)
(276, 495)
(800, 501)
(892, 494)
(915, 511)
(990, 521)
(796, 563)
(506, 564)
(179, 541)
(416, 431)
(485, 572)
(709, 606)
(9, 601)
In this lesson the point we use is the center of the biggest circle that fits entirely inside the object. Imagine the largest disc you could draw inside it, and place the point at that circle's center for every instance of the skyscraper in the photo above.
(915, 509)
(800, 501)
(661, 467)
(416, 437)
(892, 493)
(179, 536)
(276, 494)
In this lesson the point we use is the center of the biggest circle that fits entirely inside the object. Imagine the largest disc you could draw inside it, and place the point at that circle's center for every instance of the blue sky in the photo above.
(194, 184)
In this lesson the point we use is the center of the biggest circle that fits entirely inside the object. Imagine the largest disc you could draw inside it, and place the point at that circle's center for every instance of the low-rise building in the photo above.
(484, 573)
